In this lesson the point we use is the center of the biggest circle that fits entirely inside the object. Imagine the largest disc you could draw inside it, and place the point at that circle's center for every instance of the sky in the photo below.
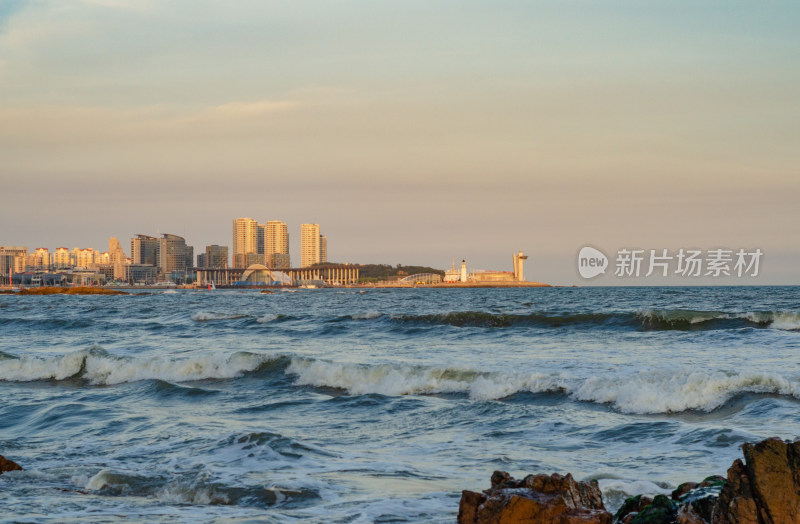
(413, 132)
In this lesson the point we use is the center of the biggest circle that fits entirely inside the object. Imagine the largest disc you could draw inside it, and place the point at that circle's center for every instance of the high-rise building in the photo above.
(39, 260)
(323, 249)
(173, 255)
(61, 258)
(12, 260)
(260, 241)
(144, 250)
(189, 253)
(215, 256)
(276, 245)
(245, 241)
(309, 245)
(83, 257)
(118, 258)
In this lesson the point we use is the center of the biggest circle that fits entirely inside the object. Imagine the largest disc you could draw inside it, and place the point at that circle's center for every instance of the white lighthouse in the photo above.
(463, 271)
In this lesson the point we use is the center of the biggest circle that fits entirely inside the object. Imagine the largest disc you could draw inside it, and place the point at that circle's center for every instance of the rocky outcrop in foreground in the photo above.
(536, 498)
(8, 465)
(765, 489)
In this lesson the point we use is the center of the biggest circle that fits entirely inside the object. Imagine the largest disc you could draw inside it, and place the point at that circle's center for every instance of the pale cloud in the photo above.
(142, 6)
(251, 109)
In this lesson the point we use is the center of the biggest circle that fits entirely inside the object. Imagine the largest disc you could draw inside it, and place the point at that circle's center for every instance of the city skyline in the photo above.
(435, 130)
(249, 237)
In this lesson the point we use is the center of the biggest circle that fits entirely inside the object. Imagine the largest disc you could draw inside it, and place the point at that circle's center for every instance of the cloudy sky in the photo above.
(411, 131)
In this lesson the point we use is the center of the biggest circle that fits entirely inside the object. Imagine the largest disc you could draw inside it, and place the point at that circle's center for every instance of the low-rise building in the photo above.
(141, 274)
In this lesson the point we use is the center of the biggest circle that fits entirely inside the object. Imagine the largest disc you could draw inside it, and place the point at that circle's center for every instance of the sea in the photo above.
(350, 405)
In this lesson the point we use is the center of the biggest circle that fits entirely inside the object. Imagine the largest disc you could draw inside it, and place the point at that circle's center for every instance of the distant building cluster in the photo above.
(165, 258)
(454, 275)
(268, 244)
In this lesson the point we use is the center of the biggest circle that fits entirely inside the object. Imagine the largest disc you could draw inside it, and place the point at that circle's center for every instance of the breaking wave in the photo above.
(649, 391)
(691, 319)
(390, 379)
(196, 489)
(659, 391)
(655, 319)
(204, 316)
(98, 367)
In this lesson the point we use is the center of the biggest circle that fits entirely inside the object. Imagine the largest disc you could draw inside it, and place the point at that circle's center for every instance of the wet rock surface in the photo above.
(764, 489)
(536, 498)
(8, 465)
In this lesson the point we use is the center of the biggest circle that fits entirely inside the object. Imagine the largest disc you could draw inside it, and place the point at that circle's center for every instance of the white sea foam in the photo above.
(100, 480)
(187, 493)
(100, 368)
(649, 391)
(217, 365)
(29, 368)
(663, 391)
(615, 491)
(205, 316)
(392, 379)
(782, 320)
(366, 316)
(269, 317)
(384, 379)
(658, 391)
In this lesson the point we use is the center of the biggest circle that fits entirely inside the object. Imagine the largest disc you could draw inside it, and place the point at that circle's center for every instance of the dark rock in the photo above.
(682, 489)
(712, 481)
(701, 502)
(685, 515)
(765, 489)
(500, 477)
(631, 507)
(8, 465)
(553, 499)
(661, 511)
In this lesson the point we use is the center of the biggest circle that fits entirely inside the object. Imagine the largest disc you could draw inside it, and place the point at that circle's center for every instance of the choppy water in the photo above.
(379, 405)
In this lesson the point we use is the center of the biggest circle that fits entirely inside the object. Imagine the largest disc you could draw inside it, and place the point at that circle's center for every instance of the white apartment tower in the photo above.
(276, 245)
(309, 245)
(245, 241)
(61, 259)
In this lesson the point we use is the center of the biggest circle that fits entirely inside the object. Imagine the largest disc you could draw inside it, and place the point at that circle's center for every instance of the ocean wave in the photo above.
(283, 446)
(648, 391)
(662, 391)
(652, 391)
(196, 489)
(615, 491)
(98, 367)
(783, 320)
(368, 315)
(54, 322)
(650, 319)
(205, 316)
(393, 379)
